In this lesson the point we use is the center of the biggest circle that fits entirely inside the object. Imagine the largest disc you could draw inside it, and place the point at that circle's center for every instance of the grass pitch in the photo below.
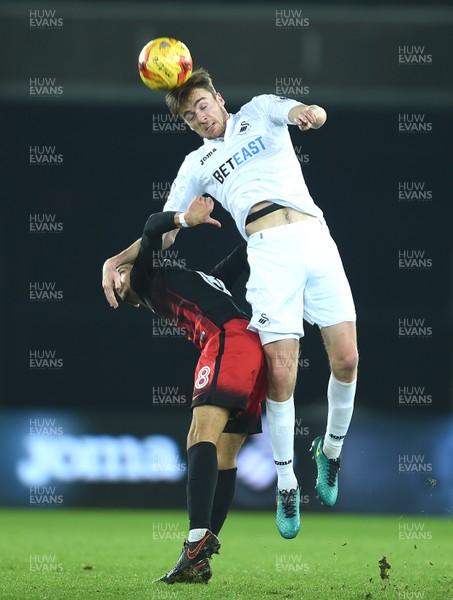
(53, 554)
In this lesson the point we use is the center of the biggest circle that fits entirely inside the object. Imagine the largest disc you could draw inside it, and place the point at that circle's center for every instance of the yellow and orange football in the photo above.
(164, 64)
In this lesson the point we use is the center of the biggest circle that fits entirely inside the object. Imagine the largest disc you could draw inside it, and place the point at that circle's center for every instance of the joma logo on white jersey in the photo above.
(205, 158)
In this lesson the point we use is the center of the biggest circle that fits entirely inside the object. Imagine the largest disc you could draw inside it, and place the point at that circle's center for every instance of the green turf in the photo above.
(116, 554)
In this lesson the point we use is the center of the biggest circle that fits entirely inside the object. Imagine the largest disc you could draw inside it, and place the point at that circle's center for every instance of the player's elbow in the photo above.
(321, 116)
(168, 239)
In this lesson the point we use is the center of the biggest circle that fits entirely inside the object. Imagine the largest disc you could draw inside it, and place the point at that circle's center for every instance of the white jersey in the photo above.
(255, 161)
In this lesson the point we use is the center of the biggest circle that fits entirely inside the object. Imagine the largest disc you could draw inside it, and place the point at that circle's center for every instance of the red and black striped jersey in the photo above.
(195, 302)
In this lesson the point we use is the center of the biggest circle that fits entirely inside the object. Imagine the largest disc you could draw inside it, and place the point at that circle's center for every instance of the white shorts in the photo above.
(296, 273)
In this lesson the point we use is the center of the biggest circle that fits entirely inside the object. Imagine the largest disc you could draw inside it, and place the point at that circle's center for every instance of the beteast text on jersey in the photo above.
(222, 172)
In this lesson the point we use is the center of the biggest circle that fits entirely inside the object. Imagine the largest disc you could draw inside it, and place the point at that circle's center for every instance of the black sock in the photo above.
(201, 483)
(224, 494)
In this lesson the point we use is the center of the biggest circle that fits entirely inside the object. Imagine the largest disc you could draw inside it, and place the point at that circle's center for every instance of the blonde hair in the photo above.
(177, 98)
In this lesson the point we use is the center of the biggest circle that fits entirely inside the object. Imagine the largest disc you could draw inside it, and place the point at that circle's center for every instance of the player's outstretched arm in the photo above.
(307, 117)
(110, 276)
(198, 212)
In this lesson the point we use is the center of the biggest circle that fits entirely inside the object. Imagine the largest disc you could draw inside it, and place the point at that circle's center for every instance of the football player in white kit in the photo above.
(247, 163)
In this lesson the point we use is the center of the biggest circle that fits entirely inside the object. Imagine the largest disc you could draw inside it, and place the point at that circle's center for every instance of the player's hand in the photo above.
(199, 211)
(306, 119)
(110, 281)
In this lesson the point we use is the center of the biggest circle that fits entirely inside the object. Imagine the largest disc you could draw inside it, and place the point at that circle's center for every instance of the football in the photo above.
(164, 64)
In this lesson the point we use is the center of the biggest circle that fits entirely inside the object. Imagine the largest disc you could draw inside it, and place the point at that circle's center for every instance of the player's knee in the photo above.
(281, 382)
(345, 364)
(196, 435)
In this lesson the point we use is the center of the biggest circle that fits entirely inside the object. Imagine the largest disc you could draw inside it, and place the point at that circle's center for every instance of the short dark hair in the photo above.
(130, 297)
(127, 294)
(178, 97)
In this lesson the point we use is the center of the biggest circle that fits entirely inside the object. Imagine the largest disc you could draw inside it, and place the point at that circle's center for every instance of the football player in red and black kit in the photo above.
(230, 379)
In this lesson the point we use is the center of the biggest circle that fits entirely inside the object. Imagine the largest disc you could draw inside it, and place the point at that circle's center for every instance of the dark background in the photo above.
(102, 193)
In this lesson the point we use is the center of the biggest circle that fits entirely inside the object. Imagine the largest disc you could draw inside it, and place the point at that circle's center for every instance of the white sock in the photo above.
(195, 535)
(340, 396)
(281, 420)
